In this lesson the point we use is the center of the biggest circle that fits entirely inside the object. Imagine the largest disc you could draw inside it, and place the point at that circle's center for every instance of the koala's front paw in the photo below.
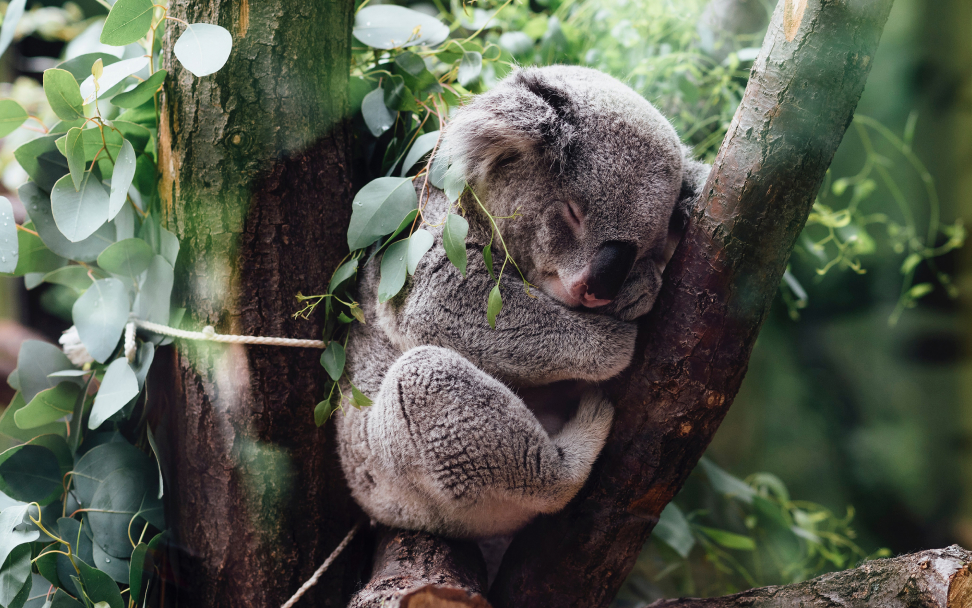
(595, 415)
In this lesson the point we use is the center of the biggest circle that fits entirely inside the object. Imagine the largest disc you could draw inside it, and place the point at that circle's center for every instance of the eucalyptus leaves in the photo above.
(88, 517)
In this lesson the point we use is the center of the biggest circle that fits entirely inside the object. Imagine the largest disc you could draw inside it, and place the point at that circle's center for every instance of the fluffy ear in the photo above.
(694, 174)
(526, 117)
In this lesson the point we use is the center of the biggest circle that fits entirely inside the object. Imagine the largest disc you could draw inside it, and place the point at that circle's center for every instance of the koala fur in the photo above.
(600, 183)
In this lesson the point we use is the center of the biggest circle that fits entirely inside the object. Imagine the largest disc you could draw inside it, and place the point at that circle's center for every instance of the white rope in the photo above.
(330, 558)
(209, 334)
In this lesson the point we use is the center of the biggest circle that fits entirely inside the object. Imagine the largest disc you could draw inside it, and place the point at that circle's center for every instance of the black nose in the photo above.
(609, 269)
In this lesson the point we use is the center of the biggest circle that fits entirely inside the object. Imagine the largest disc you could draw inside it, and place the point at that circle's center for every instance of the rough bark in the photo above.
(255, 183)
(931, 579)
(695, 344)
(418, 570)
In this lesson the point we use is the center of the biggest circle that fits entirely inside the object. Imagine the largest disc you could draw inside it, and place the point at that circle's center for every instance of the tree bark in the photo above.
(255, 183)
(931, 579)
(695, 344)
(417, 570)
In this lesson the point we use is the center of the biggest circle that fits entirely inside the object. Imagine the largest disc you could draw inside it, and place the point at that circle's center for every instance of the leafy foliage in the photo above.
(87, 521)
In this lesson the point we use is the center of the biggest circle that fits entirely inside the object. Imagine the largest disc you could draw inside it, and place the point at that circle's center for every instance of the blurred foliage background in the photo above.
(853, 431)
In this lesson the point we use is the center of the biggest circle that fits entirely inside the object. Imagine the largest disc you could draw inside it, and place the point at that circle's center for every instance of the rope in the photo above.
(330, 558)
(209, 334)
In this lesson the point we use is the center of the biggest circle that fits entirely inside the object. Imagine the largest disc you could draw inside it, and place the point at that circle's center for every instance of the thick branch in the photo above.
(696, 343)
(418, 570)
(931, 579)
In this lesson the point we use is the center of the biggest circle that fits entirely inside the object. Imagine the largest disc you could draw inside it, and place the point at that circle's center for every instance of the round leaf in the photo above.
(376, 114)
(333, 359)
(115, 503)
(99, 586)
(127, 21)
(111, 76)
(63, 94)
(118, 387)
(115, 567)
(75, 277)
(102, 461)
(79, 213)
(38, 205)
(128, 258)
(9, 242)
(32, 472)
(35, 362)
(393, 270)
(418, 245)
(49, 405)
(12, 531)
(378, 208)
(389, 27)
(154, 292)
(100, 316)
(454, 241)
(12, 115)
(203, 48)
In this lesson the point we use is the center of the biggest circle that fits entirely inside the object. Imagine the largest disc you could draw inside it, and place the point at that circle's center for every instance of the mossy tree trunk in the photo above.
(256, 184)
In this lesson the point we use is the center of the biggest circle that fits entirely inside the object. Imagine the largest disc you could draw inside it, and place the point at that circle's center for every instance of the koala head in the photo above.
(596, 175)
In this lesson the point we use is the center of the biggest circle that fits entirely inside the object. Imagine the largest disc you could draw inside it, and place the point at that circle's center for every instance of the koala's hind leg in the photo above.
(465, 443)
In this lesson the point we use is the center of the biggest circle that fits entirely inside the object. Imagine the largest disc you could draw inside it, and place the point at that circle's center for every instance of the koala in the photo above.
(596, 186)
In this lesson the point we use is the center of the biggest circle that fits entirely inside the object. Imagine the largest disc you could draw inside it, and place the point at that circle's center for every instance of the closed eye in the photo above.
(575, 215)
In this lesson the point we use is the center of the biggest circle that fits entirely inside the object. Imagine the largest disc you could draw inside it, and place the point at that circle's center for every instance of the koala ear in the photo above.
(527, 116)
(694, 174)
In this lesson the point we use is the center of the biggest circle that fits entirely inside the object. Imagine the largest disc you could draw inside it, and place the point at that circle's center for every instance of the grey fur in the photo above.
(448, 446)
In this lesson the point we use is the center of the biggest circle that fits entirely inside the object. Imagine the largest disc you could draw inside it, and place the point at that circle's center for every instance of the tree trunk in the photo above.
(694, 346)
(255, 183)
(931, 579)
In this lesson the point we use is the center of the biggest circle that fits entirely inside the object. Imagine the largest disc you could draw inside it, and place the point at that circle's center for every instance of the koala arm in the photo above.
(537, 339)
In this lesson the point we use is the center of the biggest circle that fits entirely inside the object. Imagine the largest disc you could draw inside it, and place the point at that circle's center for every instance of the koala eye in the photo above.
(574, 215)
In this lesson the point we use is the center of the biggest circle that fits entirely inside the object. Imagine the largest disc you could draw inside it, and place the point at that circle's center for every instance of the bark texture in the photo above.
(255, 183)
(695, 344)
(931, 579)
(417, 570)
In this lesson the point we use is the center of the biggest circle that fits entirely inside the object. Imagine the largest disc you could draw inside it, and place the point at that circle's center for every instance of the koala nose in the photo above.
(609, 269)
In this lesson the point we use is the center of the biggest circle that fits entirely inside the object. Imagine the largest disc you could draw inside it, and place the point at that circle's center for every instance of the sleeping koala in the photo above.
(601, 185)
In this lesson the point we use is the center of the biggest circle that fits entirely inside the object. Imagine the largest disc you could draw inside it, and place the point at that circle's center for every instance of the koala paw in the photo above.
(595, 415)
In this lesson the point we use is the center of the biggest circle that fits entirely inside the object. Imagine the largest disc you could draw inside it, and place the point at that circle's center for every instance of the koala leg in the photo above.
(464, 455)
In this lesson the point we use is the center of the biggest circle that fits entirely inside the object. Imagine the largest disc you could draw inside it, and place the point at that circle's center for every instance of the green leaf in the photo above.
(9, 241)
(128, 258)
(35, 362)
(42, 161)
(919, 291)
(142, 93)
(127, 22)
(494, 305)
(418, 245)
(13, 532)
(38, 205)
(333, 359)
(115, 567)
(378, 209)
(488, 259)
(155, 292)
(403, 225)
(49, 405)
(63, 93)
(388, 27)
(729, 540)
(469, 68)
(417, 76)
(118, 387)
(111, 79)
(454, 182)
(324, 410)
(75, 277)
(726, 484)
(141, 566)
(396, 93)
(343, 274)
(393, 270)
(357, 313)
(9, 428)
(74, 151)
(80, 66)
(116, 501)
(674, 530)
(101, 461)
(99, 586)
(34, 256)
(15, 10)
(422, 146)
(376, 114)
(79, 213)
(359, 399)
(32, 472)
(121, 178)
(100, 316)
(203, 48)
(63, 600)
(12, 115)
(454, 240)
(14, 574)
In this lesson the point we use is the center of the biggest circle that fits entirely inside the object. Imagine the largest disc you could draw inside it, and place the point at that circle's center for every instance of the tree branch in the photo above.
(931, 579)
(695, 344)
(418, 570)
